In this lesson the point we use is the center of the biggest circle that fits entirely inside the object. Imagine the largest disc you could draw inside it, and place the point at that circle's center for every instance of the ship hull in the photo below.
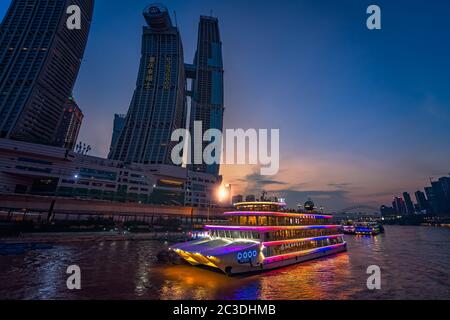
(226, 259)
(242, 269)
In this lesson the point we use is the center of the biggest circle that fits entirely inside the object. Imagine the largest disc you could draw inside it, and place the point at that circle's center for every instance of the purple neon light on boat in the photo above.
(265, 229)
(300, 253)
(276, 214)
(280, 242)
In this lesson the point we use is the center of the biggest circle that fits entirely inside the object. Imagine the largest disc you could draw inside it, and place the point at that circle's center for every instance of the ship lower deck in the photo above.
(245, 256)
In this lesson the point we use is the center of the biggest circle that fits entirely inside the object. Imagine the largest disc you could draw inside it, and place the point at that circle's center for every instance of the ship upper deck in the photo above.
(286, 214)
(278, 229)
(271, 208)
(260, 206)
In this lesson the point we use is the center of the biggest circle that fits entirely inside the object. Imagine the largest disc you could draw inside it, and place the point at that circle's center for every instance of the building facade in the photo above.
(445, 185)
(158, 104)
(387, 211)
(399, 206)
(27, 168)
(422, 202)
(119, 124)
(207, 92)
(432, 201)
(39, 62)
(69, 126)
(439, 198)
(408, 203)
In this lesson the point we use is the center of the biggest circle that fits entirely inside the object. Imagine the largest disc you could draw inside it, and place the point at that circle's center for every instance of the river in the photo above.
(414, 262)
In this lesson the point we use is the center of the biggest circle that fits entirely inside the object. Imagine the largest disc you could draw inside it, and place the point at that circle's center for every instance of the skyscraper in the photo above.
(422, 202)
(445, 183)
(408, 203)
(387, 211)
(158, 104)
(119, 123)
(69, 127)
(439, 197)
(432, 202)
(207, 83)
(39, 62)
(399, 205)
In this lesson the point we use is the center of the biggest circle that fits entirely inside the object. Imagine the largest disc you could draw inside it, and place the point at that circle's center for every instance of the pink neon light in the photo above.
(276, 214)
(277, 243)
(274, 228)
(301, 253)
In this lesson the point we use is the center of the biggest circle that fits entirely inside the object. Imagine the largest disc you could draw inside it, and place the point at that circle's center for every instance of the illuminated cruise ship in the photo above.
(261, 236)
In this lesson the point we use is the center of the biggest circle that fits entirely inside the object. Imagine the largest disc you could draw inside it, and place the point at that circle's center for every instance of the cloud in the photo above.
(332, 196)
(262, 181)
(342, 185)
(390, 193)
(252, 182)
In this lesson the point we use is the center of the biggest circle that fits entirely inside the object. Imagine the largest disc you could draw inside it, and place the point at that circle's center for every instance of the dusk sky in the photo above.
(363, 115)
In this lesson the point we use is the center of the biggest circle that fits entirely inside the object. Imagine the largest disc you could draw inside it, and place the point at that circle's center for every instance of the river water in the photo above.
(414, 262)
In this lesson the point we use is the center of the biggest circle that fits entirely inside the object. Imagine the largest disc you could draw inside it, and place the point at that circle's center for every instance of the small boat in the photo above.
(348, 229)
(361, 228)
(368, 228)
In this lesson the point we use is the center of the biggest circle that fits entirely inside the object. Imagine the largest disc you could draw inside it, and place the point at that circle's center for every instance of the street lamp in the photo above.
(222, 193)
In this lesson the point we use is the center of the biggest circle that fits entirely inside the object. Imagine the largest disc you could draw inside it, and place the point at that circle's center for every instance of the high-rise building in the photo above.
(422, 202)
(433, 205)
(69, 127)
(408, 203)
(119, 123)
(39, 62)
(158, 103)
(445, 183)
(207, 84)
(439, 197)
(417, 208)
(399, 205)
(387, 211)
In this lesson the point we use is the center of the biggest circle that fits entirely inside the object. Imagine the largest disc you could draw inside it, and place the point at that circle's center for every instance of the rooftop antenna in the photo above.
(210, 12)
(175, 16)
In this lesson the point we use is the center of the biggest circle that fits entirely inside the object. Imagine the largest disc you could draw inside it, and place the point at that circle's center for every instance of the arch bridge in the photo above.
(360, 207)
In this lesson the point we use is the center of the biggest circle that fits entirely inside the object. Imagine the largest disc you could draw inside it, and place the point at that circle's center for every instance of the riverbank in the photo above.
(418, 220)
(73, 237)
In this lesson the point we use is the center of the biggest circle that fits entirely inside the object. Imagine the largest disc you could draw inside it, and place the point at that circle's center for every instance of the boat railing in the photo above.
(220, 223)
(232, 223)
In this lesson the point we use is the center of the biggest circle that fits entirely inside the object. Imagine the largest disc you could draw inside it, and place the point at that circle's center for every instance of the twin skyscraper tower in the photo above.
(170, 94)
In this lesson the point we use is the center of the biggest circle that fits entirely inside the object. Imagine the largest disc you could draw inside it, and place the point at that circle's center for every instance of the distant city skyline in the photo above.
(434, 201)
(363, 115)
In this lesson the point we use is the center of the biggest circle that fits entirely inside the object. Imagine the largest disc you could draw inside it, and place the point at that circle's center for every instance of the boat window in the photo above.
(252, 221)
(262, 221)
(243, 220)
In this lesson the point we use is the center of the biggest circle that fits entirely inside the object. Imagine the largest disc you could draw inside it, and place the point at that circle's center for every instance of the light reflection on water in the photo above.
(414, 263)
